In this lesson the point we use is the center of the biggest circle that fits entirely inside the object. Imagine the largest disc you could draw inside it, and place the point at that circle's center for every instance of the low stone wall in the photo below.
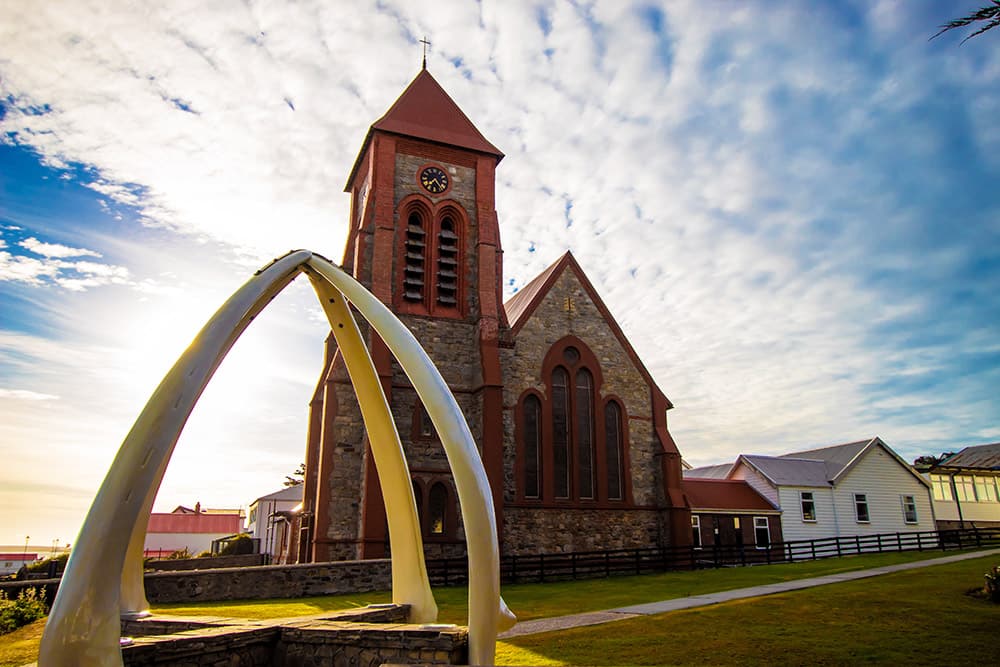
(366, 637)
(269, 581)
(212, 563)
(237, 583)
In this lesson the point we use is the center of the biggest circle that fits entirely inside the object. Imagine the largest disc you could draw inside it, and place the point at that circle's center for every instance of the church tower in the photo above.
(424, 238)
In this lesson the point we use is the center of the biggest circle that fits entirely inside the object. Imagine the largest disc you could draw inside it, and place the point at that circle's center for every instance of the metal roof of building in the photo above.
(728, 495)
(787, 471)
(837, 457)
(980, 457)
(720, 471)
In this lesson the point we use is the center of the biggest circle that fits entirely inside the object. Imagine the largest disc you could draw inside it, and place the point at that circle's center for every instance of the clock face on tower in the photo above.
(434, 180)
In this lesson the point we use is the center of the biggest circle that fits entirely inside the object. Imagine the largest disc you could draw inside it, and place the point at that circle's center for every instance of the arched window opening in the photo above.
(415, 253)
(560, 431)
(437, 504)
(613, 449)
(531, 420)
(584, 432)
(447, 264)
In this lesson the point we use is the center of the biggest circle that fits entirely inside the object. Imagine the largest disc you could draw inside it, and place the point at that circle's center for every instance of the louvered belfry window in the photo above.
(414, 260)
(447, 264)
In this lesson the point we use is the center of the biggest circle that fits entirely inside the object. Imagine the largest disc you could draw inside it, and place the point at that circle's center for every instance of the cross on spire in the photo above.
(426, 44)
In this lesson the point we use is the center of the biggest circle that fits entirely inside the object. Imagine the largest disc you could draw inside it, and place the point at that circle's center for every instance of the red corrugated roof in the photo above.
(225, 524)
(21, 556)
(723, 494)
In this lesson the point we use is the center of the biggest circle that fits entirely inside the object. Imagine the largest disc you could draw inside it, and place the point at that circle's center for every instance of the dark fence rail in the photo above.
(617, 562)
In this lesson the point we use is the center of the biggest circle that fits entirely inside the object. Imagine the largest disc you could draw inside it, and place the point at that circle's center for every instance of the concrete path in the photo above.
(610, 615)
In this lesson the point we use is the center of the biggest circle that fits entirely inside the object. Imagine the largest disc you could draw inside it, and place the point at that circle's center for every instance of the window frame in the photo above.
(812, 504)
(912, 502)
(861, 501)
(756, 532)
(941, 488)
(696, 532)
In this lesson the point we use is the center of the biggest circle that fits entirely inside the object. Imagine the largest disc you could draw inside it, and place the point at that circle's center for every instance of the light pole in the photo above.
(24, 556)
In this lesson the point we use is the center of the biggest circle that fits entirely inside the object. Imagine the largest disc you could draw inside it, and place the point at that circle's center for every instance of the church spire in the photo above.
(426, 44)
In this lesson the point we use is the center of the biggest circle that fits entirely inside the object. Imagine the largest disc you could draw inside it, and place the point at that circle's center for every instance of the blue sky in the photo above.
(792, 209)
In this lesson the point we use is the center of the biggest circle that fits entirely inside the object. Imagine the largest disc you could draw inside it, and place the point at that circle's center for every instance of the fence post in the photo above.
(879, 536)
(839, 553)
(920, 541)
(513, 569)
(743, 555)
(812, 545)
(899, 542)
(857, 543)
(445, 571)
(541, 567)
(607, 563)
(978, 543)
(572, 561)
(638, 562)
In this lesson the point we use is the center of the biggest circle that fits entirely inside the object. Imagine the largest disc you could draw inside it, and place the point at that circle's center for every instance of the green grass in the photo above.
(530, 601)
(916, 617)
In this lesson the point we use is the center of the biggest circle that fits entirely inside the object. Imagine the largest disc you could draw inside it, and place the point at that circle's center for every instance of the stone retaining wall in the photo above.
(237, 583)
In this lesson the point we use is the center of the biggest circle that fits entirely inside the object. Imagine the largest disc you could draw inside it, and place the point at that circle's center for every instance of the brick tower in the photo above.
(424, 239)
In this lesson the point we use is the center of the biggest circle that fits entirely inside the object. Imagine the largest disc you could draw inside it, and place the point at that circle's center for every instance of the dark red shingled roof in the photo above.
(723, 494)
(426, 111)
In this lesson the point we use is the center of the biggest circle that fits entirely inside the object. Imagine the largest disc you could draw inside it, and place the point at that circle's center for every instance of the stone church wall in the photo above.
(527, 529)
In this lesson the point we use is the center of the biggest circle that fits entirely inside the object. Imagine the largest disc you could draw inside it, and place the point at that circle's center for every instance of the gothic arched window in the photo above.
(613, 449)
(572, 441)
(446, 277)
(531, 416)
(583, 433)
(415, 254)
(437, 509)
(560, 432)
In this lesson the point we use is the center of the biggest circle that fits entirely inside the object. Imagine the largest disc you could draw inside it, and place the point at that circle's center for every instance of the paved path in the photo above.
(597, 617)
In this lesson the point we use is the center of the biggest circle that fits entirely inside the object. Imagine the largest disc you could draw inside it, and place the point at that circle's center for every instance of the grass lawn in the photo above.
(909, 618)
(555, 599)
(531, 601)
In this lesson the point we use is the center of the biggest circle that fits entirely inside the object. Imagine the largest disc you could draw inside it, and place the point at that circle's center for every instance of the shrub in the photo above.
(992, 587)
(47, 565)
(238, 546)
(180, 554)
(27, 608)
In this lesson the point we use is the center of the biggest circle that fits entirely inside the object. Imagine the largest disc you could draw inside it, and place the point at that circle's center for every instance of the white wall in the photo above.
(794, 527)
(884, 481)
(193, 542)
(262, 528)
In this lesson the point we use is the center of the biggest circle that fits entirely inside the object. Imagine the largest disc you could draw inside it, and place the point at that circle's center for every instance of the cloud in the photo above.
(55, 250)
(790, 209)
(25, 395)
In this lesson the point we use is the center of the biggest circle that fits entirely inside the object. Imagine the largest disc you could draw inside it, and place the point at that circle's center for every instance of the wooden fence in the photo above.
(617, 562)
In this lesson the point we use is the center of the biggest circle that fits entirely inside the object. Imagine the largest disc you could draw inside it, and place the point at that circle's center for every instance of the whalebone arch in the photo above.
(103, 578)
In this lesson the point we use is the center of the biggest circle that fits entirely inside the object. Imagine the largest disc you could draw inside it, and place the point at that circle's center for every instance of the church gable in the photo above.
(560, 322)
(563, 294)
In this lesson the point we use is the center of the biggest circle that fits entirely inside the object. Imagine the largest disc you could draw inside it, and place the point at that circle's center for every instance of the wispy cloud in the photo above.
(791, 209)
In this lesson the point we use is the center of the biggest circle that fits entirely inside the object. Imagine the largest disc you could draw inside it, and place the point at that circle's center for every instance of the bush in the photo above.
(47, 564)
(238, 546)
(27, 608)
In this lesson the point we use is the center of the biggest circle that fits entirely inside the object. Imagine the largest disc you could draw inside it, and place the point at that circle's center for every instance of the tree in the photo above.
(929, 461)
(296, 477)
(991, 14)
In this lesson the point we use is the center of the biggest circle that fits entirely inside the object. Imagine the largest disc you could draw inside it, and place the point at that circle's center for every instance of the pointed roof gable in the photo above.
(520, 307)
(426, 111)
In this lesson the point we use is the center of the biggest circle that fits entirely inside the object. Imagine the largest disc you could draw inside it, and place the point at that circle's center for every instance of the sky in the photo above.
(791, 209)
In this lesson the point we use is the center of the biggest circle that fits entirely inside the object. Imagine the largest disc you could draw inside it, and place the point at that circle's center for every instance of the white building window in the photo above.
(761, 532)
(861, 508)
(909, 509)
(942, 487)
(696, 531)
(965, 488)
(986, 491)
(808, 506)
